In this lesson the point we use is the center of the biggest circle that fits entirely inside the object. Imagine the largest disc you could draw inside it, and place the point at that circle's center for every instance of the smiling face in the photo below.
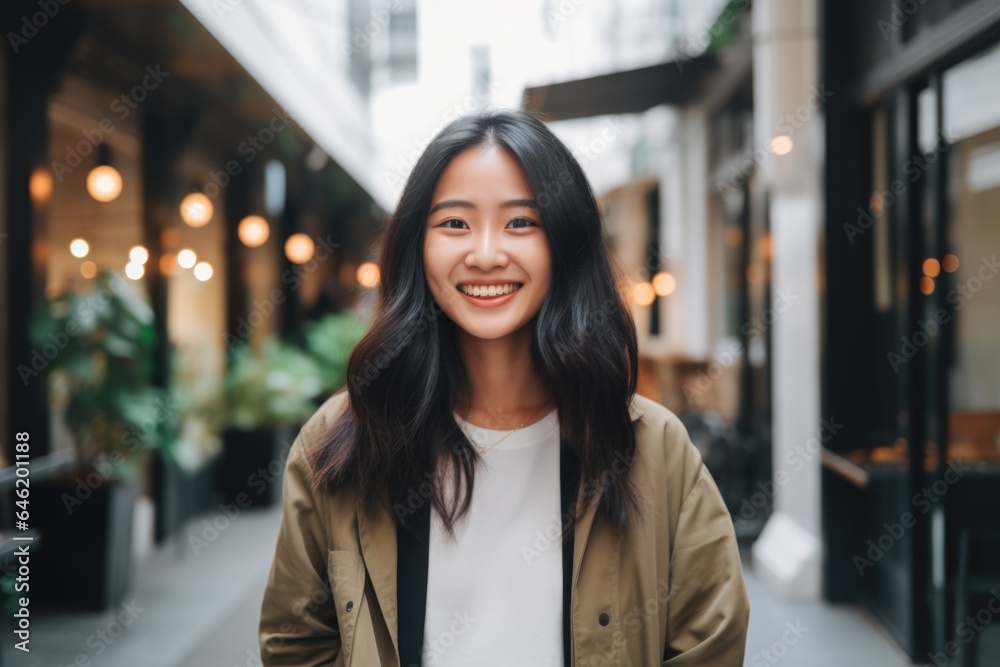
(486, 255)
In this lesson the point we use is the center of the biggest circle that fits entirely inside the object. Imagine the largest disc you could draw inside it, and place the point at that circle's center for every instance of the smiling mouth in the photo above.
(489, 291)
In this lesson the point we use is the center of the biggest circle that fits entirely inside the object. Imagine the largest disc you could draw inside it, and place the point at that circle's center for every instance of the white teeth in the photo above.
(491, 290)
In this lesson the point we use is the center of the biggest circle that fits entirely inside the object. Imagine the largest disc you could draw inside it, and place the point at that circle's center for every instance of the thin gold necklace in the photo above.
(483, 450)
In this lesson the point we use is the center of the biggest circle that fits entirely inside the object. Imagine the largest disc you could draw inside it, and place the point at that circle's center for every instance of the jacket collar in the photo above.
(379, 550)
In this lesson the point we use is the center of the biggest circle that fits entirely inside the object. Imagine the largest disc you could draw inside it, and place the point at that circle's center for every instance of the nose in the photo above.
(487, 249)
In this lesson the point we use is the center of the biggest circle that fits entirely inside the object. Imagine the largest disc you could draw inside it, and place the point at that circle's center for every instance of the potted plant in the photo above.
(268, 393)
(184, 475)
(100, 344)
(330, 341)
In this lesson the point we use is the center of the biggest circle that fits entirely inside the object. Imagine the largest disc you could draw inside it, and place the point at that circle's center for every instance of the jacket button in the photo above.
(604, 619)
(350, 605)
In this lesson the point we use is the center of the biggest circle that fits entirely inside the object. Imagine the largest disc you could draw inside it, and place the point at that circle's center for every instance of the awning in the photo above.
(227, 61)
(629, 91)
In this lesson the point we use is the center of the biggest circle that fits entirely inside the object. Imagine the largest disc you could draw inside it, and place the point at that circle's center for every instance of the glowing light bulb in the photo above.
(79, 248)
(299, 248)
(186, 258)
(253, 231)
(196, 209)
(203, 271)
(104, 183)
(134, 271)
(664, 284)
(368, 274)
(781, 144)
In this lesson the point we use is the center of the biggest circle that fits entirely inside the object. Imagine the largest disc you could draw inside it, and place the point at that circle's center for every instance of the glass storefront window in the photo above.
(971, 102)
(967, 273)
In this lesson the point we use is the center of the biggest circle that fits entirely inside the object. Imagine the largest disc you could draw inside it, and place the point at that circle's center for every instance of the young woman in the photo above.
(489, 489)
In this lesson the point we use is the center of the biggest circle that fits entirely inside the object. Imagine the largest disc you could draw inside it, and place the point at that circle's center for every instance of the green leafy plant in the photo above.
(98, 346)
(196, 392)
(272, 388)
(330, 341)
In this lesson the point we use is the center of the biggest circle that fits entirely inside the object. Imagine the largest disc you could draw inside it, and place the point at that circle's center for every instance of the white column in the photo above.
(695, 284)
(671, 227)
(684, 229)
(787, 101)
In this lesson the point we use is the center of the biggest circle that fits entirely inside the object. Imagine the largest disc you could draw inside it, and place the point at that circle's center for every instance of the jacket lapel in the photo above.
(378, 548)
(582, 531)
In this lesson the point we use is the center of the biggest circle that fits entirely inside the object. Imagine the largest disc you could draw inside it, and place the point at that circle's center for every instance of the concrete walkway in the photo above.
(822, 635)
(202, 611)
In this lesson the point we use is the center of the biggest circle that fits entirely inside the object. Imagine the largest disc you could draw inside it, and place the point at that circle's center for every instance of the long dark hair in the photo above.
(398, 433)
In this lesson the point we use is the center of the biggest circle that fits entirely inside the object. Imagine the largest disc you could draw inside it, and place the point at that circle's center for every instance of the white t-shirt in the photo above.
(495, 597)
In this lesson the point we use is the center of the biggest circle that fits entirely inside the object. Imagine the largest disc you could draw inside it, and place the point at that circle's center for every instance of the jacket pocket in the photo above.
(346, 570)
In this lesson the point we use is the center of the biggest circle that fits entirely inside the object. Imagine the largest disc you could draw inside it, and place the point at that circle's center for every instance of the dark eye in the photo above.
(525, 220)
(445, 223)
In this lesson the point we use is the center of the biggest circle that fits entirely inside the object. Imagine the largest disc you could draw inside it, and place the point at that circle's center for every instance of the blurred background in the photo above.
(805, 195)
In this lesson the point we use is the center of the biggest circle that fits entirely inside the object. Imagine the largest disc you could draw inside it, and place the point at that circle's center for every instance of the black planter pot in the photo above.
(86, 529)
(179, 494)
(251, 466)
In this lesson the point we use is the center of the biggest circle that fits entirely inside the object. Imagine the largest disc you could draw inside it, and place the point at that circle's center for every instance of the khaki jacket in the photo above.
(674, 589)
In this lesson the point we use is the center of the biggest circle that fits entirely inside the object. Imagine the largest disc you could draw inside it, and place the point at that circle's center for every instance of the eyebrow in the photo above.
(462, 203)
